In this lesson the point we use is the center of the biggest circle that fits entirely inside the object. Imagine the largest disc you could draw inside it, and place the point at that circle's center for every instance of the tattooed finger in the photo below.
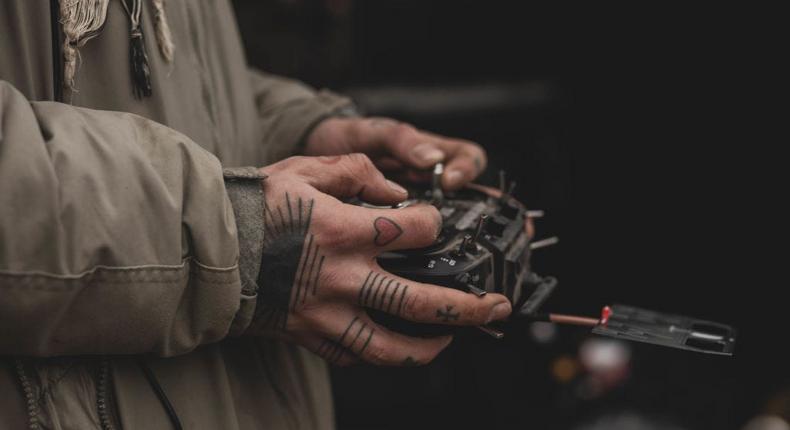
(364, 339)
(426, 303)
(388, 229)
(335, 353)
(354, 341)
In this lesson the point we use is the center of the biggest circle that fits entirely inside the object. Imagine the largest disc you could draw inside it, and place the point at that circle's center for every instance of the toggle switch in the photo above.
(479, 292)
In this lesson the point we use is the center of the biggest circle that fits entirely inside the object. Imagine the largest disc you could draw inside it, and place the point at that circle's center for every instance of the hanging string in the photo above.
(141, 72)
(82, 20)
(164, 38)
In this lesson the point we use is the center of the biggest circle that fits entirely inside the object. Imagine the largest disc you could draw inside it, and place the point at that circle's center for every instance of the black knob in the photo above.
(496, 227)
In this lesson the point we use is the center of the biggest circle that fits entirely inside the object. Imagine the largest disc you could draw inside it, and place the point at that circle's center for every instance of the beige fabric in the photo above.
(109, 211)
(116, 232)
(238, 384)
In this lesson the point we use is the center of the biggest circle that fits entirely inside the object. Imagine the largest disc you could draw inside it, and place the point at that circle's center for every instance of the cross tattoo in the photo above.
(410, 362)
(447, 314)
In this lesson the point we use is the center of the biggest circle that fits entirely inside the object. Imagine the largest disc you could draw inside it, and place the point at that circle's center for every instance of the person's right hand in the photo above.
(319, 269)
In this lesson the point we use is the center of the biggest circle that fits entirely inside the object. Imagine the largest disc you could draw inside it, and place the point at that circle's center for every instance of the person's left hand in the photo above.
(399, 149)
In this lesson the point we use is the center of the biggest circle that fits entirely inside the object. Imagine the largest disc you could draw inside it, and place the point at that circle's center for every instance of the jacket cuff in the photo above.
(243, 185)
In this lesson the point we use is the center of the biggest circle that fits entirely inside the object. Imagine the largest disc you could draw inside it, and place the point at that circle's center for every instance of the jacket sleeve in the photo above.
(117, 234)
(288, 110)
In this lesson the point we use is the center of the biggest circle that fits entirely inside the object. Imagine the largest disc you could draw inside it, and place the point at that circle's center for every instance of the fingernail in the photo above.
(396, 187)
(500, 311)
(454, 177)
(427, 153)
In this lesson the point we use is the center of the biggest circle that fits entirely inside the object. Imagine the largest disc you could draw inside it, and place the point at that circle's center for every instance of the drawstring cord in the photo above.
(171, 412)
(103, 389)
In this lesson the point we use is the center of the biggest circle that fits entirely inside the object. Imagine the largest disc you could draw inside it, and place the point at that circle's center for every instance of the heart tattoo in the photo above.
(386, 231)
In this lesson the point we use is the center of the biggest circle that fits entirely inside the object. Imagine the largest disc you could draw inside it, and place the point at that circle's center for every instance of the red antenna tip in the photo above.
(606, 312)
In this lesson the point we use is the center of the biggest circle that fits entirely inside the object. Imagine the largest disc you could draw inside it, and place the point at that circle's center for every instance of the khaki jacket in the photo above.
(120, 235)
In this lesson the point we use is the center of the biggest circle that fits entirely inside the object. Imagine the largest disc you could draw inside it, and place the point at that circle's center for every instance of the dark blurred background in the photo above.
(642, 132)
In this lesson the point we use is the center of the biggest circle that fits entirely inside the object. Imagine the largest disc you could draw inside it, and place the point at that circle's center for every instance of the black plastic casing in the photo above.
(496, 260)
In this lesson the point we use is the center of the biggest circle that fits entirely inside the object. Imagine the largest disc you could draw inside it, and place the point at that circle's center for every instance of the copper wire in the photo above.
(574, 320)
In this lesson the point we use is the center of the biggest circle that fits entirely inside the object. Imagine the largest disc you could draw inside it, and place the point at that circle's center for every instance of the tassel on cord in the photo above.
(164, 38)
(82, 20)
(141, 72)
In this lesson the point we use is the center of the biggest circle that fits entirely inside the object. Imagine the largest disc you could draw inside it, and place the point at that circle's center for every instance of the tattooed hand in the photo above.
(399, 148)
(319, 270)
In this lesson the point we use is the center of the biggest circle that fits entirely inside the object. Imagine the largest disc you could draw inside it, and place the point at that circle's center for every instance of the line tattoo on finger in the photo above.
(331, 351)
(354, 341)
(291, 261)
(382, 292)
